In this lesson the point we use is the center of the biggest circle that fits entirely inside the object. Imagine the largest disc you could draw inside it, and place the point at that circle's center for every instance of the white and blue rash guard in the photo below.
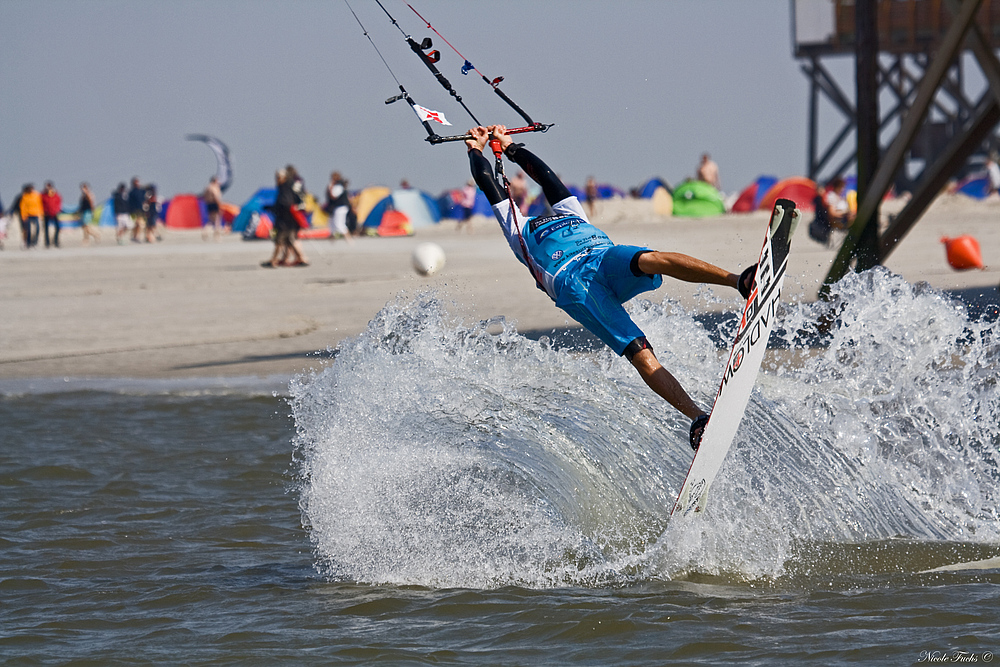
(554, 243)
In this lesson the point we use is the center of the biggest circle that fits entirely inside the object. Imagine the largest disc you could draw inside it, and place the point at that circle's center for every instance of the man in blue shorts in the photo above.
(587, 275)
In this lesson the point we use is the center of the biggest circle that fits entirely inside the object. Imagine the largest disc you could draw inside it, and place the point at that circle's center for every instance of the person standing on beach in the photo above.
(708, 171)
(993, 172)
(587, 275)
(31, 212)
(86, 212)
(212, 196)
(51, 207)
(152, 209)
(338, 206)
(120, 207)
(590, 191)
(286, 227)
(519, 192)
(136, 207)
(15, 212)
(467, 202)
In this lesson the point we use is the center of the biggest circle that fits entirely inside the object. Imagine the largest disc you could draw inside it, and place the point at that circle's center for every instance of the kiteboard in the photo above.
(744, 361)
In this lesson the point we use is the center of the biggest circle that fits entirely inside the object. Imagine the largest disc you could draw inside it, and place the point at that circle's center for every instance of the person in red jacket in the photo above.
(51, 205)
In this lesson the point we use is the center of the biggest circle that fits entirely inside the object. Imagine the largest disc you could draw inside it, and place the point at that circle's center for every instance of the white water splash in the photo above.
(441, 454)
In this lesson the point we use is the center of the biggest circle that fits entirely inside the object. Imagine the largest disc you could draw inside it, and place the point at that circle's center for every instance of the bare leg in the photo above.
(296, 249)
(686, 268)
(663, 383)
(278, 256)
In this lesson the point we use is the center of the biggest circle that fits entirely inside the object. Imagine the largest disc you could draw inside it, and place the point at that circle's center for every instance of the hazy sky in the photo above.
(102, 90)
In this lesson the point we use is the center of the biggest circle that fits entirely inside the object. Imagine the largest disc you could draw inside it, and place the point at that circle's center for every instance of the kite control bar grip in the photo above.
(495, 147)
(536, 127)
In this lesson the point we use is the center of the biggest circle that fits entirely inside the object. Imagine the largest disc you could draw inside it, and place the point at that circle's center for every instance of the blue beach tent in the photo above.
(977, 188)
(107, 215)
(647, 190)
(263, 198)
(448, 204)
(419, 207)
(609, 192)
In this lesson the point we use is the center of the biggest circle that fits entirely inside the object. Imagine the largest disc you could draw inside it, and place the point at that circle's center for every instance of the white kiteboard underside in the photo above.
(744, 361)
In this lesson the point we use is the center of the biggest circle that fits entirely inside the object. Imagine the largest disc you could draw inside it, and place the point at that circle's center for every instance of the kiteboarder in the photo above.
(586, 274)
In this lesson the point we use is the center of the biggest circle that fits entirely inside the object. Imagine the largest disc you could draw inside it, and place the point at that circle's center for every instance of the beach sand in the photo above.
(186, 308)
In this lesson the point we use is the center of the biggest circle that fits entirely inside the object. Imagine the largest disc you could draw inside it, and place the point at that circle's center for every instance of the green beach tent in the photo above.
(697, 199)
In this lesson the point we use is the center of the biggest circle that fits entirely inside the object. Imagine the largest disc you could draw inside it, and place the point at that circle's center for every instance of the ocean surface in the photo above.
(455, 493)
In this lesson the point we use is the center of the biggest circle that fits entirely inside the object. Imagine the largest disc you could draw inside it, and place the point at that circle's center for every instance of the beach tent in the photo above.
(663, 202)
(449, 204)
(315, 214)
(368, 198)
(315, 233)
(259, 227)
(800, 190)
(185, 212)
(750, 198)
(391, 223)
(538, 206)
(420, 209)
(977, 187)
(105, 213)
(228, 212)
(259, 201)
(697, 199)
(605, 191)
(647, 190)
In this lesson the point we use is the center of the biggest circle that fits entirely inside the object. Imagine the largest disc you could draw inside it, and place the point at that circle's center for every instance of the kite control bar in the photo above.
(534, 127)
(429, 58)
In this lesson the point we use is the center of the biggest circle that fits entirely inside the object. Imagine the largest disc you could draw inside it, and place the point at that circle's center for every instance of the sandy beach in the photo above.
(188, 308)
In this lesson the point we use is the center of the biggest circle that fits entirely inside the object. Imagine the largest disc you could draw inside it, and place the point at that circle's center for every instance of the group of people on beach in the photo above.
(135, 212)
(36, 211)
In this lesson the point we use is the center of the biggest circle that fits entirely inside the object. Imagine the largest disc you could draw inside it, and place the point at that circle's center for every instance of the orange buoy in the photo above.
(963, 252)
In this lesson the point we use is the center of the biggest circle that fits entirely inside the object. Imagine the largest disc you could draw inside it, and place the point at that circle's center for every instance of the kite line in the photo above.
(429, 57)
(403, 95)
(492, 83)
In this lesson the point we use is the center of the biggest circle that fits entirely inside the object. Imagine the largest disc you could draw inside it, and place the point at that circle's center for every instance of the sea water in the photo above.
(454, 492)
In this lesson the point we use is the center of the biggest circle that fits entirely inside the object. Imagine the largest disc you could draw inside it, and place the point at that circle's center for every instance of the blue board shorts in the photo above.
(596, 287)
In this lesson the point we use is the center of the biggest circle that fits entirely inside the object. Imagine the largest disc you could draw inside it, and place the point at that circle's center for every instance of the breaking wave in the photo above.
(437, 453)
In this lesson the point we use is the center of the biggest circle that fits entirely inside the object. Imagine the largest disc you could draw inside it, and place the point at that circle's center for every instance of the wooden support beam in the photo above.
(936, 176)
(958, 151)
(813, 122)
(866, 29)
(984, 55)
(893, 158)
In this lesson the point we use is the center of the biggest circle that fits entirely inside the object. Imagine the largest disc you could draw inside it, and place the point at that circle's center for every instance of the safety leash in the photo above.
(536, 273)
